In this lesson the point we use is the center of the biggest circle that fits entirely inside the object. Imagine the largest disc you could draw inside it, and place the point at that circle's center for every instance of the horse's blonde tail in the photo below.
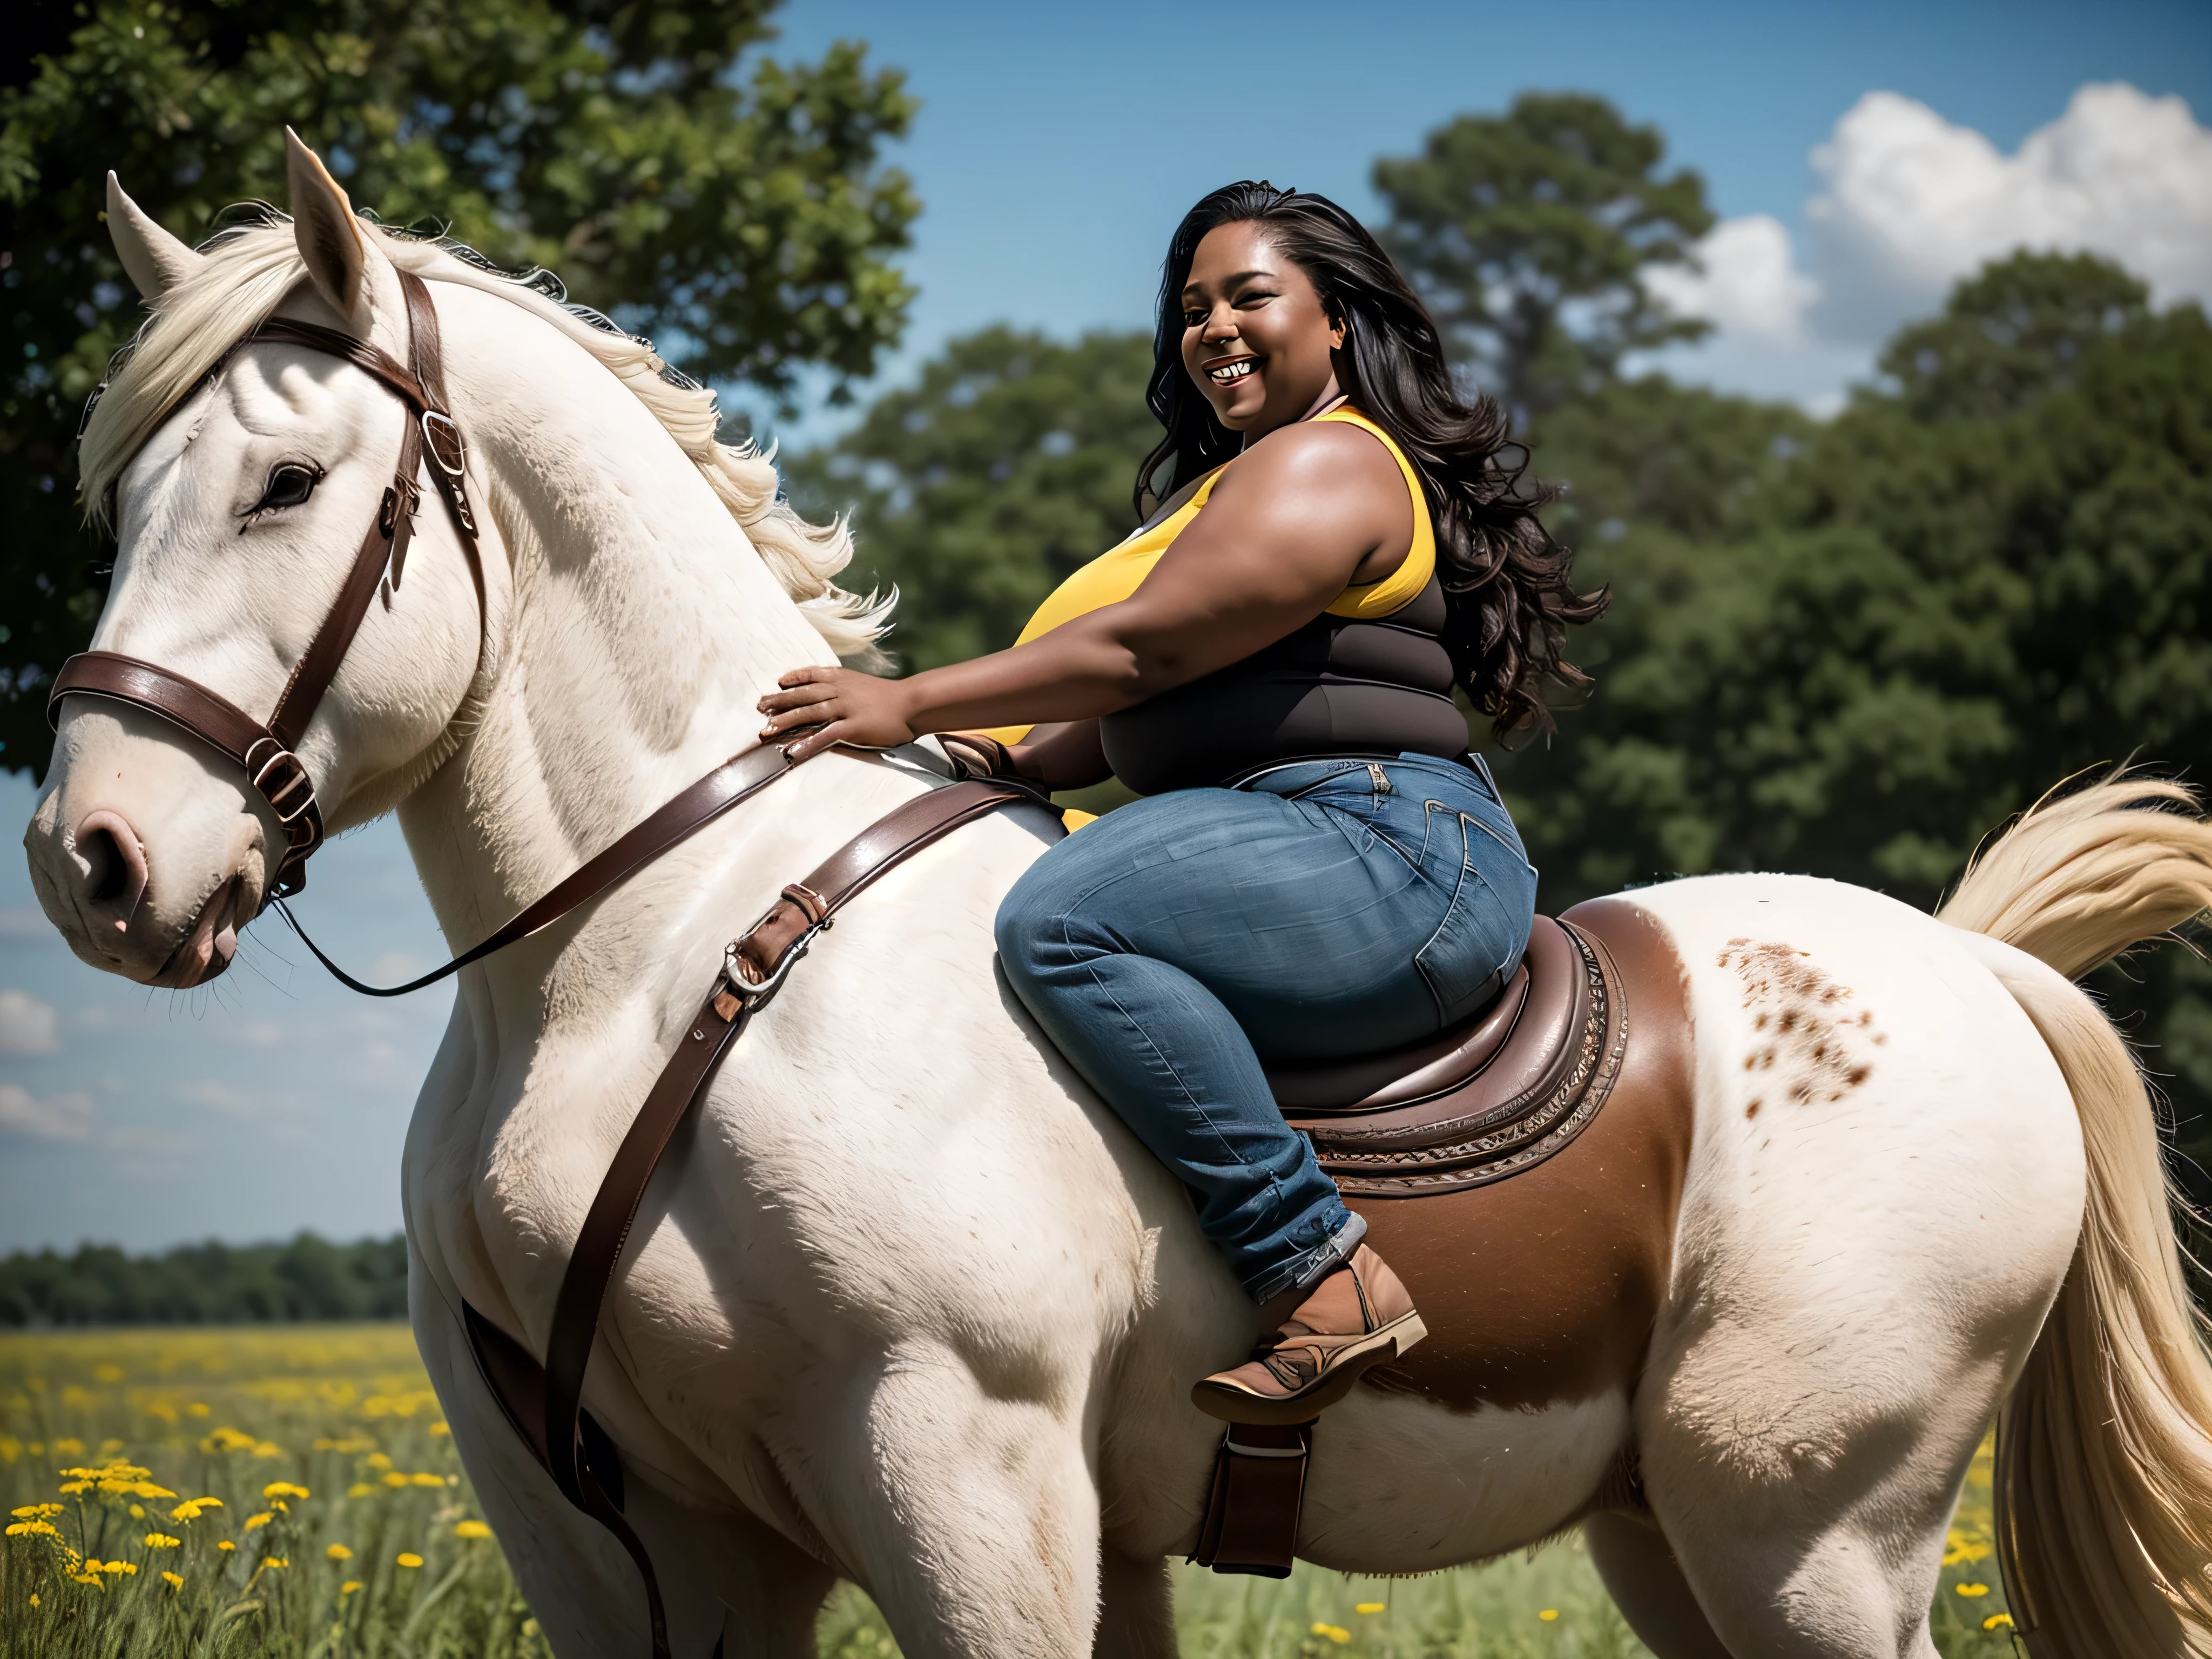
(2104, 1489)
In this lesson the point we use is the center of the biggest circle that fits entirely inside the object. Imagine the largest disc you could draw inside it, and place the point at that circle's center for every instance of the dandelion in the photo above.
(348, 1587)
(276, 1489)
(339, 1552)
(395, 1479)
(173, 1580)
(129, 1568)
(409, 1559)
(260, 1520)
(225, 1439)
(1998, 1621)
(191, 1507)
(1369, 1607)
(471, 1529)
(36, 1512)
(33, 1529)
(427, 1480)
(1334, 1632)
(162, 1540)
(1973, 1589)
(226, 1546)
(1548, 1614)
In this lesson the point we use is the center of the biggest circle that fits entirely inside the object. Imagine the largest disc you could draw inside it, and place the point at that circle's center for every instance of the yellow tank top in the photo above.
(1115, 575)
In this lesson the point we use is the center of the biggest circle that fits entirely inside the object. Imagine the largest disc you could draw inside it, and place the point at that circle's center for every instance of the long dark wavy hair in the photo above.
(1506, 582)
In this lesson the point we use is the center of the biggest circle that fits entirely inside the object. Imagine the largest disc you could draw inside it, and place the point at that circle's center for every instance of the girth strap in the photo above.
(560, 1434)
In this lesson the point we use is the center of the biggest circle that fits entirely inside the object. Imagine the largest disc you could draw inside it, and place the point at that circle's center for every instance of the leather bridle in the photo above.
(265, 748)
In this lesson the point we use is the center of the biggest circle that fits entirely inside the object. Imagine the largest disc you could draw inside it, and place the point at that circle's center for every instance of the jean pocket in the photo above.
(1482, 929)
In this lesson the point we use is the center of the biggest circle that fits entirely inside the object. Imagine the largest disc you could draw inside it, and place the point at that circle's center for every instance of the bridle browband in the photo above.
(265, 748)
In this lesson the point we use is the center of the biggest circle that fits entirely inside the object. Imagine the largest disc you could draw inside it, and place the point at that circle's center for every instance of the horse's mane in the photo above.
(249, 269)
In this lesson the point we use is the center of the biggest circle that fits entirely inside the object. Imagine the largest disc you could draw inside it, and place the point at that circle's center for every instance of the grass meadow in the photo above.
(291, 1491)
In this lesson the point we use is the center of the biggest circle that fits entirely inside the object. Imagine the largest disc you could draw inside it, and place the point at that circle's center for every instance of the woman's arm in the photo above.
(1301, 515)
(1070, 756)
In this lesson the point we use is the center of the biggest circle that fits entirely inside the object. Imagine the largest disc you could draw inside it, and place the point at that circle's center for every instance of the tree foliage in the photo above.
(208, 1284)
(743, 218)
(978, 489)
(1528, 233)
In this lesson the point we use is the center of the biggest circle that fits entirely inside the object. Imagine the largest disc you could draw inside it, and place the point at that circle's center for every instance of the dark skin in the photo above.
(1305, 512)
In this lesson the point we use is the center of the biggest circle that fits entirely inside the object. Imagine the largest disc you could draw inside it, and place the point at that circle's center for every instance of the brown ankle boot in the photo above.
(1358, 1316)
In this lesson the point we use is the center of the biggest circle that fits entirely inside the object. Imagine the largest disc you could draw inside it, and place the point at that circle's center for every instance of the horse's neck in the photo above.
(641, 627)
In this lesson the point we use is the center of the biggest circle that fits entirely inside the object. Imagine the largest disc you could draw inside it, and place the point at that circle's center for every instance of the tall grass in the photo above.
(341, 1525)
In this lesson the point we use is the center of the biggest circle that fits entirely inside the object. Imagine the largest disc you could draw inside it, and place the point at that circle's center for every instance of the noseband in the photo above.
(264, 749)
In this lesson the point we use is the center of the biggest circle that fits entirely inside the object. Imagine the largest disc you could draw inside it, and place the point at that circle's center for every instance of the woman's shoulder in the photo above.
(1328, 452)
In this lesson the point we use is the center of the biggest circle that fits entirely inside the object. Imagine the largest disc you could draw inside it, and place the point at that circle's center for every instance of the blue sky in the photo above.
(1055, 148)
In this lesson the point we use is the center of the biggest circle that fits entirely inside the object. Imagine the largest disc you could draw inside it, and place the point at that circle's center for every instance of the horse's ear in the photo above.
(154, 260)
(322, 220)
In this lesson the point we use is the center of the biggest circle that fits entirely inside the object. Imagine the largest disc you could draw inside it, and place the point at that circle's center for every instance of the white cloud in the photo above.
(1910, 204)
(28, 1026)
(58, 1117)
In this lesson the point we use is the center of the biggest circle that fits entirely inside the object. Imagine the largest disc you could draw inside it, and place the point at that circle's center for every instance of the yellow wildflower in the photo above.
(1548, 1614)
(130, 1567)
(36, 1512)
(276, 1561)
(1973, 1589)
(260, 1520)
(267, 1448)
(284, 1489)
(226, 1546)
(174, 1581)
(1369, 1607)
(1334, 1632)
(349, 1587)
(84, 1577)
(191, 1507)
(428, 1479)
(34, 1599)
(395, 1479)
(137, 1511)
(339, 1552)
(162, 1540)
(471, 1529)
(408, 1559)
(1998, 1621)
(440, 1428)
(33, 1529)
(378, 1461)
(196, 1409)
(68, 1447)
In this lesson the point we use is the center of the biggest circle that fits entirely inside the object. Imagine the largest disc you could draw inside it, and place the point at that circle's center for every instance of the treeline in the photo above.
(209, 1284)
(1849, 647)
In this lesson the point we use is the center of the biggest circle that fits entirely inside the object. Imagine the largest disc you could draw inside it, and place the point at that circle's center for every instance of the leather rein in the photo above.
(543, 1404)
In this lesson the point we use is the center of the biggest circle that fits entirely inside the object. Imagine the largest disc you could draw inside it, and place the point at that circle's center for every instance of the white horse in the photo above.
(907, 1304)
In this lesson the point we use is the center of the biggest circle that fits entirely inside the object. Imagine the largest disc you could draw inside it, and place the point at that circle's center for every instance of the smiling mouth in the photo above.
(1229, 374)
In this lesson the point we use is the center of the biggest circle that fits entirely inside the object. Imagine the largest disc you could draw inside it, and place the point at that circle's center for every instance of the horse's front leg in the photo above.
(730, 1586)
(966, 1504)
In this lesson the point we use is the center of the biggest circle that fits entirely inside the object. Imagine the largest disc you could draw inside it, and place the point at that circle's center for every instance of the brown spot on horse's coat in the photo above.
(1816, 1036)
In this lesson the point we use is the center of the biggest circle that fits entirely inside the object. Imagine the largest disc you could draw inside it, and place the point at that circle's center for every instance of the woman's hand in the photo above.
(853, 708)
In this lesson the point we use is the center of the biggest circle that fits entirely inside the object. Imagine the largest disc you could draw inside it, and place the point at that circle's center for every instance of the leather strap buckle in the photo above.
(441, 436)
(281, 777)
(756, 994)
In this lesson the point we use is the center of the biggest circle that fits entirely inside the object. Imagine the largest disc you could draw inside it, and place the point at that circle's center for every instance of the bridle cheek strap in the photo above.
(265, 749)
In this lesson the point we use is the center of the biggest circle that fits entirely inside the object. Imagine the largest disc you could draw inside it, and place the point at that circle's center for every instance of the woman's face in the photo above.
(1255, 340)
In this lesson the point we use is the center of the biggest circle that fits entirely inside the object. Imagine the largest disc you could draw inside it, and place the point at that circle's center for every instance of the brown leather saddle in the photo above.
(1486, 1099)
(1540, 1290)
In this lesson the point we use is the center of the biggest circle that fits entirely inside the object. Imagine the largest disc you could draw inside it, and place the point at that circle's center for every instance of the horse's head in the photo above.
(243, 479)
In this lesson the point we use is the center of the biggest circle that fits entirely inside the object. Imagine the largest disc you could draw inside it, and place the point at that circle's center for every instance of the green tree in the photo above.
(979, 489)
(745, 217)
(1529, 234)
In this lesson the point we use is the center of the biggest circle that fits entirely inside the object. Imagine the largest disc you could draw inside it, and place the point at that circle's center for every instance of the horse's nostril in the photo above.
(114, 864)
(110, 874)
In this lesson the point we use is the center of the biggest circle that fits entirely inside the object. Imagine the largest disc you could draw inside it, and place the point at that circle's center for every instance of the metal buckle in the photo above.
(291, 777)
(756, 996)
(441, 435)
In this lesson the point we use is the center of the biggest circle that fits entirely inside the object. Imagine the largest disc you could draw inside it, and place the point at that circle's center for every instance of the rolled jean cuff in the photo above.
(1304, 1271)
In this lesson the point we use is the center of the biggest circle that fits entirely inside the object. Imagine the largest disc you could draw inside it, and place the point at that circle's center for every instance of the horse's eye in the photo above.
(290, 484)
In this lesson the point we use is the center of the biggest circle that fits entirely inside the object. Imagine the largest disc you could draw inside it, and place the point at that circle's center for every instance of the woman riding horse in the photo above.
(1320, 869)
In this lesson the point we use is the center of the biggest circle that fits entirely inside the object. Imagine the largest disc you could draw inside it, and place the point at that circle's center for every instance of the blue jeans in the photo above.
(1330, 908)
